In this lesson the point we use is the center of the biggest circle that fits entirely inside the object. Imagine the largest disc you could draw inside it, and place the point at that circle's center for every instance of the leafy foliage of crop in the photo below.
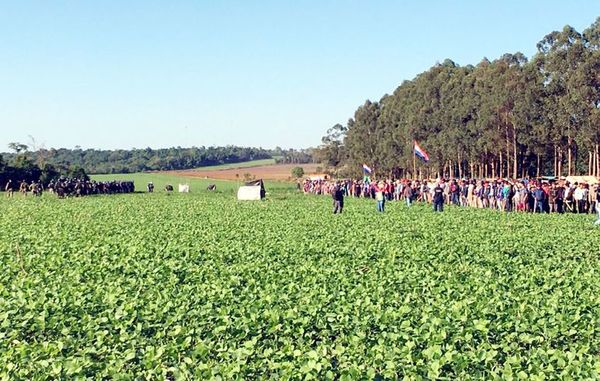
(203, 287)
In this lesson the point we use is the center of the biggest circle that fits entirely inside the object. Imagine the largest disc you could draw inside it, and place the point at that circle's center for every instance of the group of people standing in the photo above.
(35, 188)
(381, 192)
(536, 196)
(70, 187)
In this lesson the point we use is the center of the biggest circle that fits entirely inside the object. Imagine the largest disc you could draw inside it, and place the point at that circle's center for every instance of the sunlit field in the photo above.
(200, 286)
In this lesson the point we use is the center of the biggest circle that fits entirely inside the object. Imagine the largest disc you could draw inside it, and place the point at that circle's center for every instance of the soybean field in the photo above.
(200, 286)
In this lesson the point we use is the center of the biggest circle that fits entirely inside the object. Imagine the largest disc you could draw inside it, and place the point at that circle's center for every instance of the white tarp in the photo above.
(249, 193)
(184, 188)
(582, 179)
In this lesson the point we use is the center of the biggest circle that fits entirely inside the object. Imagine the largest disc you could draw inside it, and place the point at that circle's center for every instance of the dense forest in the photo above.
(510, 117)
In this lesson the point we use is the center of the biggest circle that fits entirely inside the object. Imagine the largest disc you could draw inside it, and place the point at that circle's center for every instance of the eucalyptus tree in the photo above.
(507, 117)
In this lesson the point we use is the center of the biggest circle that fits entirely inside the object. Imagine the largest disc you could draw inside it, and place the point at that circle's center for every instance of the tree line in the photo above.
(25, 163)
(293, 156)
(510, 117)
(22, 166)
(95, 161)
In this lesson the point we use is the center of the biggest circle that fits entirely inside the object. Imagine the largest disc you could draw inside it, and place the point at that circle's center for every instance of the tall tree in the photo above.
(508, 117)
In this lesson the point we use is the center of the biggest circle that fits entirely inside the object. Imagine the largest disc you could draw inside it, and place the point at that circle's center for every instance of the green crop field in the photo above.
(197, 185)
(199, 286)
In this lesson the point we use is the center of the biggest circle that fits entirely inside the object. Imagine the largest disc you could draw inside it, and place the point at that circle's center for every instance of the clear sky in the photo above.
(124, 74)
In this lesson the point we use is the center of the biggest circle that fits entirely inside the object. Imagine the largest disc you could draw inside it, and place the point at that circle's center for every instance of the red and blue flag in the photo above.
(420, 152)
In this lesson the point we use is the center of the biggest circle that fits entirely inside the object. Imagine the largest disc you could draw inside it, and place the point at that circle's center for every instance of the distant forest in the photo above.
(46, 164)
(510, 117)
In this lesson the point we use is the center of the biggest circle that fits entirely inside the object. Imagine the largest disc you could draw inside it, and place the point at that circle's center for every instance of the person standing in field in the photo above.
(579, 197)
(464, 192)
(338, 199)
(569, 200)
(507, 196)
(438, 198)
(408, 194)
(454, 193)
(471, 194)
(481, 197)
(9, 188)
(23, 188)
(539, 199)
(559, 196)
(380, 197)
(485, 195)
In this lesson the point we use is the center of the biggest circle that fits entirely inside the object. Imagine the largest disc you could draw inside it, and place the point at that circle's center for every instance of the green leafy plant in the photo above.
(201, 287)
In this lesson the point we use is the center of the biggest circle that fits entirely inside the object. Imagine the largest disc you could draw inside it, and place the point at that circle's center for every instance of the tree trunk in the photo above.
(590, 163)
(597, 160)
(539, 159)
(569, 156)
(507, 147)
(500, 166)
(560, 157)
(556, 161)
(515, 156)
(594, 161)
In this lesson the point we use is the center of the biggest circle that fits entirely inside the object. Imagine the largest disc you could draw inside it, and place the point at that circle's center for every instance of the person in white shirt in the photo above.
(578, 197)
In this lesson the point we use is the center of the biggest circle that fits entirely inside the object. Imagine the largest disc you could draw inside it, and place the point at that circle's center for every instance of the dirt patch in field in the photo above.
(267, 172)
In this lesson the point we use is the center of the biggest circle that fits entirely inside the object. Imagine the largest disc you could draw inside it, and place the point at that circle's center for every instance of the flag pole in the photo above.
(414, 162)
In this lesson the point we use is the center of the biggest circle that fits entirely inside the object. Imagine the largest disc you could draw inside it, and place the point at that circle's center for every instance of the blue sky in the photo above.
(123, 74)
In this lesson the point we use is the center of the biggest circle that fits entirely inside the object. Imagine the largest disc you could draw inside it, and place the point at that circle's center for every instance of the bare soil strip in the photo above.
(267, 172)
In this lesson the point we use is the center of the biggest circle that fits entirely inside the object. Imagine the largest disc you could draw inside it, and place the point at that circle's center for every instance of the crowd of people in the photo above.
(527, 195)
(70, 187)
(35, 188)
